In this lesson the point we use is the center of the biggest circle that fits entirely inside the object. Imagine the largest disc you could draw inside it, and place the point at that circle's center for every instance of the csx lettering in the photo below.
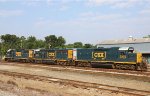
(18, 53)
(99, 55)
(51, 54)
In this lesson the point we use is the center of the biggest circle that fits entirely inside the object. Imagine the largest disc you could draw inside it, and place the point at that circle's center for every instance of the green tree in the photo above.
(61, 42)
(88, 46)
(9, 38)
(55, 42)
(51, 41)
(9, 41)
(31, 42)
(22, 42)
(69, 46)
(1, 52)
(78, 45)
(40, 44)
(148, 36)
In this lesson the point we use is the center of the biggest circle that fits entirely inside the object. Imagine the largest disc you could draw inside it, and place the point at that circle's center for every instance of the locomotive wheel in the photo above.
(6, 59)
(118, 66)
(59, 63)
(91, 65)
(114, 66)
(65, 63)
(144, 64)
(83, 64)
(76, 63)
(132, 67)
(62, 63)
(122, 66)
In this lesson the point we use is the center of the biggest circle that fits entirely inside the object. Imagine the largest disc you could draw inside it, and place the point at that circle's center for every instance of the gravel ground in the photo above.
(13, 86)
(93, 78)
(12, 90)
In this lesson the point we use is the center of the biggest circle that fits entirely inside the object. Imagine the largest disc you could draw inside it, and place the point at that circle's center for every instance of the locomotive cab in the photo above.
(125, 53)
(10, 55)
(126, 49)
(127, 59)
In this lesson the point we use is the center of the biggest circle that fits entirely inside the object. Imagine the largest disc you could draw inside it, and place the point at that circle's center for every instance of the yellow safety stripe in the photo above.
(126, 62)
(82, 60)
(62, 60)
(22, 58)
(102, 61)
(48, 59)
(116, 62)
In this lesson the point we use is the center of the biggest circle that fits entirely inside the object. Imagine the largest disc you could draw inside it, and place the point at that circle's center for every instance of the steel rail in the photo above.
(83, 69)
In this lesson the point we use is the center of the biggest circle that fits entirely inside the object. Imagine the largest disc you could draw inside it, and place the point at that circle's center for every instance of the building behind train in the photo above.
(141, 45)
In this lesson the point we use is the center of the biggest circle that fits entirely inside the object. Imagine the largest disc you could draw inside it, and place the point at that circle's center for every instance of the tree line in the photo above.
(10, 41)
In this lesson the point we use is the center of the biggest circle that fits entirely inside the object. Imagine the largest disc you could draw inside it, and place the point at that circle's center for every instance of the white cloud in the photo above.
(32, 2)
(50, 2)
(96, 17)
(145, 11)
(7, 13)
(83, 20)
(92, 24)
(3, 0)
(85, 29)
(100, 2)
(117, 3)
(63, 8)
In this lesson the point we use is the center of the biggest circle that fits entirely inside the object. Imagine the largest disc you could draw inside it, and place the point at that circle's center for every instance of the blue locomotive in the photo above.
(118, 57)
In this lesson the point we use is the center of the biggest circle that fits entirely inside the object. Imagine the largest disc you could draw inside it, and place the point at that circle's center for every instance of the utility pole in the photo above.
(49, 43)
(21, 43)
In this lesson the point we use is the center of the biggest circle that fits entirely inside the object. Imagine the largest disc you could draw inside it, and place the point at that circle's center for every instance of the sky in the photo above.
(88, 21)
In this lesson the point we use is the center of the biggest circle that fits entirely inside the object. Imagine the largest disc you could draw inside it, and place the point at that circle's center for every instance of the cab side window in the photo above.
(122, 53)
(130, 51)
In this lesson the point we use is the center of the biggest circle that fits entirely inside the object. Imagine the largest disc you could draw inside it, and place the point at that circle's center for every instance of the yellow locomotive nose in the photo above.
(142, 62)
(139, 58)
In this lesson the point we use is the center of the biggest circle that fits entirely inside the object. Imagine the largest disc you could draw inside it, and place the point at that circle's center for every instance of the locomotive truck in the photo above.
(118, 57)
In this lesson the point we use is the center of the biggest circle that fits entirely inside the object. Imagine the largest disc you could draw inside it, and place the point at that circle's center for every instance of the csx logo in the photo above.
(99, 54)
(51, 54)
(18, 53)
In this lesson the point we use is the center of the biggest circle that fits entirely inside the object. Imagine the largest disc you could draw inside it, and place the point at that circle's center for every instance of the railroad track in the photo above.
(148, 67)
(83, 69)
(78, 84)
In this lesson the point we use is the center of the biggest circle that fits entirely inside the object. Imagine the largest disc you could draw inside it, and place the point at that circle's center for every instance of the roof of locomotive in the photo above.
(126, 48)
